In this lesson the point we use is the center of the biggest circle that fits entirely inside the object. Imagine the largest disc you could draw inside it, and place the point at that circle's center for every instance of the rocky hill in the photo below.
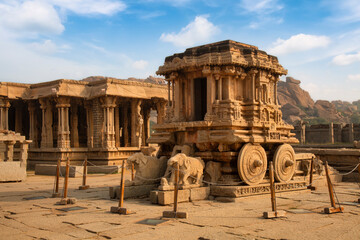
(297, 105)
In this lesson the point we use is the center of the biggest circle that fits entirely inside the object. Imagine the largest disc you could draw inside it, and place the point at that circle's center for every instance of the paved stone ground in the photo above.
(242, 219)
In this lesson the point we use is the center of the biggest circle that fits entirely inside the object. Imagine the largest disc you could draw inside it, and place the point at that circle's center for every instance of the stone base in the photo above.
(120, 210)
(172, 214)
(243, 191)
(55, 195)
(312, 188)
(50, 170)
(66, 201)
(274, 214)
(172, 187)
(184, 195)
(333, 210)
(132, 191)
(84, 187)
(12, 172)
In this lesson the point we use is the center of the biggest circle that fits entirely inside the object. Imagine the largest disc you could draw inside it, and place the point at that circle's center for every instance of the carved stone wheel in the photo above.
(284, 163)
(252, 163)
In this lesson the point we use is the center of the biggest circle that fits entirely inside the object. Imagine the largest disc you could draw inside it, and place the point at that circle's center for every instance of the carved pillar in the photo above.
(74, 134)
(160, 108)
(89, 122)
(210, 95)
(32, 124)
(126, 125)
(63, 105)
(108, 105)
(47, 121)
(351, 132)
(24, 153)
(117, 127)
(4, 110)
(136, 123)
(18, 118)
(146, 126)
(9, 150)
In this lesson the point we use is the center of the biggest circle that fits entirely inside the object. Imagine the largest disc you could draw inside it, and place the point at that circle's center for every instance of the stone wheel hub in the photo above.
(252, 163)
(284, 163)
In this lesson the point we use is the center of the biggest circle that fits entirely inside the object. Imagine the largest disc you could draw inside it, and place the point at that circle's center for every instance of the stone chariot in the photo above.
(223, 103)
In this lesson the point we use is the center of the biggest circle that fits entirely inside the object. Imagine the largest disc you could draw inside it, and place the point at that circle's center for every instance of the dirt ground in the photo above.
(240, 219)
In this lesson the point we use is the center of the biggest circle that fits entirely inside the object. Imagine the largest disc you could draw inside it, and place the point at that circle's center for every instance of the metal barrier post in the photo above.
(333, 208)
(120, 209)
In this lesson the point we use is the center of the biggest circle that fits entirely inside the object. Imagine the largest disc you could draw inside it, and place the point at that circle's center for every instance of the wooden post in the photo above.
(57, 178)
(311, 175)
(333, 208)
(274, 213)
(84, 186)
(176, 188)
(132, 172)
(120, 209)
(65, 200)
(66, 178)
(175, 213)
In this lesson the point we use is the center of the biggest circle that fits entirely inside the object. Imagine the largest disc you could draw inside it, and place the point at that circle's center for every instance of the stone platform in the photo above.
(132, 191)
(12, 172)
(75, 171)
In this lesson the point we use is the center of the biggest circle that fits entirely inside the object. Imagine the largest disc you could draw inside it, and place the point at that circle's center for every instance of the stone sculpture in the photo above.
(148, 169)
(191, 170)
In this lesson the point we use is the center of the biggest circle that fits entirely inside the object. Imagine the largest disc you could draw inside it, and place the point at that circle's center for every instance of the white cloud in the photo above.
(354, 77)
(198, 31)
(105, 7)
(140, 64)
(346, 59)
(30, 17)
(299, 43)
(260, 6)
(48, 47)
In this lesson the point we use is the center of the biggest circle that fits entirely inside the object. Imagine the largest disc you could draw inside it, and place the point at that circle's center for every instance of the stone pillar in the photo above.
(160, 108)
(4, 110)
(74, 137)
(126, 125)
(146, 126)
(331, 133)
(32, 124)
(351, 132)
(90, 125)
(108, 105)
(24, 153)
(18, 118)
(302, 132)
(117, 127)
(63, 105)
(47, 121)
(9, 150)
(210, 95)
(136, 123)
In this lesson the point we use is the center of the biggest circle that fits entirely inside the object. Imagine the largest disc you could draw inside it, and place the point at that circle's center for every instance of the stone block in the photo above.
(167, 197)
(103, 169)
(154, 197)
(50, 170)
(12, 171)
(172, 214)
(132, 191)
(274, 214)
(200, 193)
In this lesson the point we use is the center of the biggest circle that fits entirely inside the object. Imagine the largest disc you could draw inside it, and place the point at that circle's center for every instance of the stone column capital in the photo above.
(62, 102)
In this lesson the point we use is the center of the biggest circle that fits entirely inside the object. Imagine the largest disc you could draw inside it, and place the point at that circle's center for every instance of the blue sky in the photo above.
(42, 40)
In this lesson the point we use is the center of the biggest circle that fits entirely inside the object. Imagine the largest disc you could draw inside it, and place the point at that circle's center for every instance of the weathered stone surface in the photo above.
(12, 171)
(154, 196)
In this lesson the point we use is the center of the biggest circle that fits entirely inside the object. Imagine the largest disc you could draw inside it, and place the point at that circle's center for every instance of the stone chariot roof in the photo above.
(226, 52)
